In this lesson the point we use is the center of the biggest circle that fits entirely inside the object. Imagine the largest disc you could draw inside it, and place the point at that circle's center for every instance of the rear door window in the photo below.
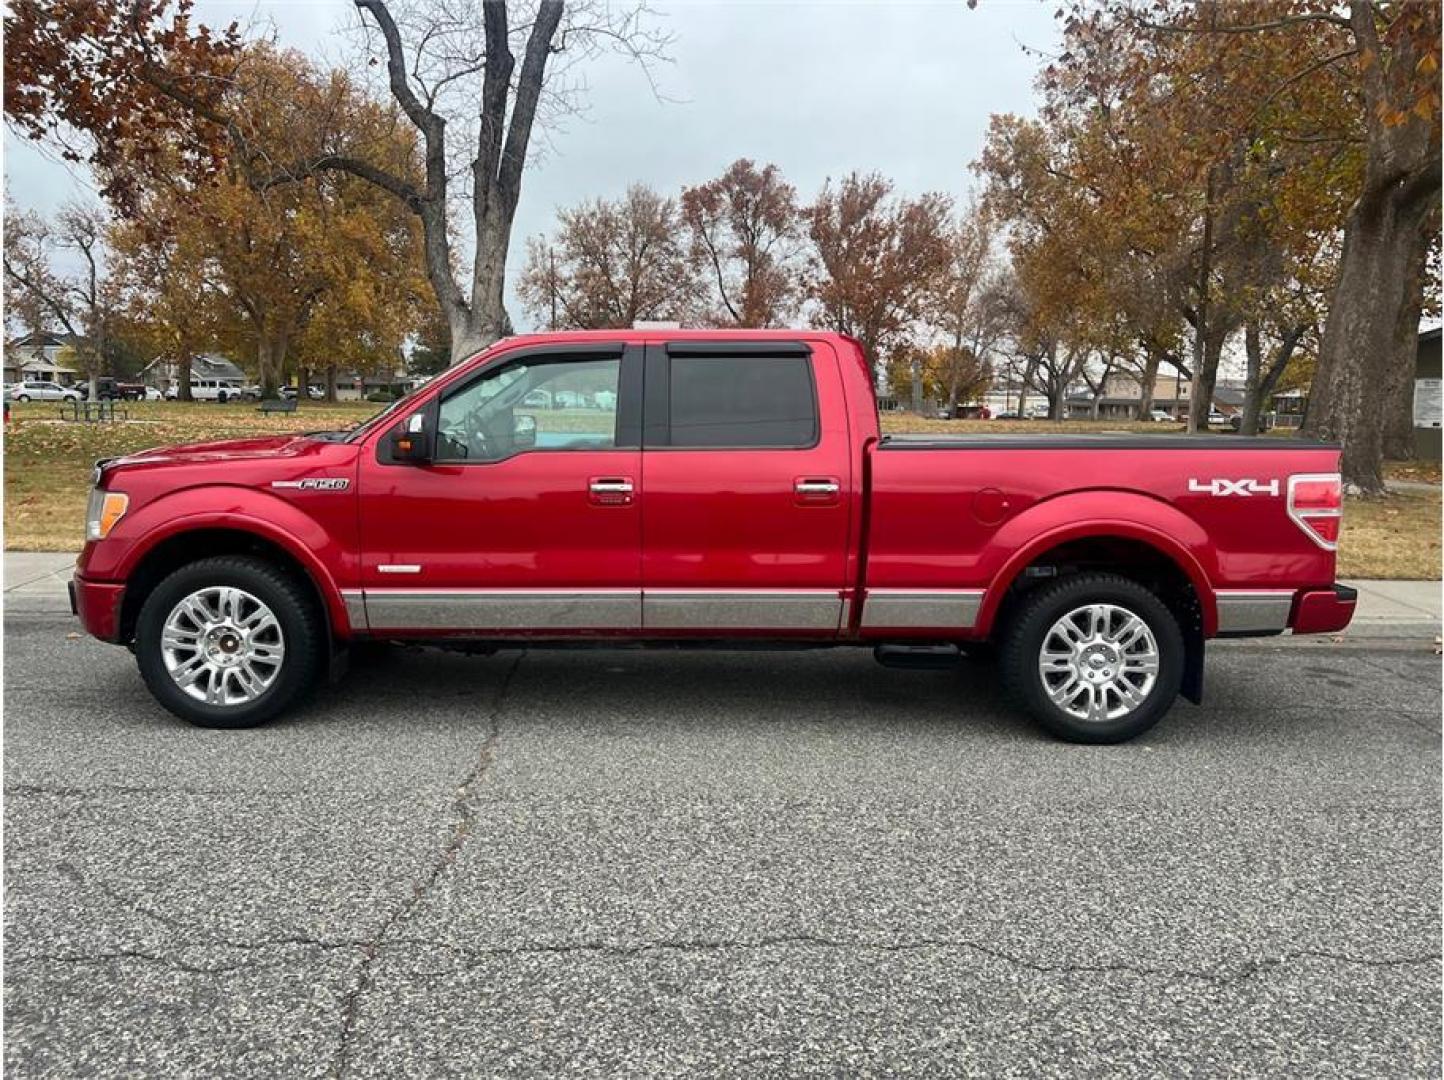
(742, 402)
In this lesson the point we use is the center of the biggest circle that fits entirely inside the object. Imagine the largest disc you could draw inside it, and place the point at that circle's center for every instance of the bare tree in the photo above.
(876, 259)
(82, 303)
(612, 264)
(746, 234)
(434, 52)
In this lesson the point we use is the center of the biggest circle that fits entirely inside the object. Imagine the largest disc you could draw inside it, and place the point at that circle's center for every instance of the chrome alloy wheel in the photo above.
(222, 646)
(1098, 662)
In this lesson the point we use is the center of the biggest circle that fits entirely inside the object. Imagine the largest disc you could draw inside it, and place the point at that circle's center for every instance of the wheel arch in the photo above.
(1140, 551)
(166, 551)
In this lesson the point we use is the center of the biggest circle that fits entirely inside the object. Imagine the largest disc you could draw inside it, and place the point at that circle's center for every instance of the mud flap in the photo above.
(1192, 687)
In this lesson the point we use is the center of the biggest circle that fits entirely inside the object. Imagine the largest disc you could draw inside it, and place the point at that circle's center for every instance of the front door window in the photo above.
(531, 405)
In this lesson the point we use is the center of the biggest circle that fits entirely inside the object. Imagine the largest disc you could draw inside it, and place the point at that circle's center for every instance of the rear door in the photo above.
(746, 489)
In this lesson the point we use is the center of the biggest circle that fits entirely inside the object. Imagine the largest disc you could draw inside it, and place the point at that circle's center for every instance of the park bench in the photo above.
(278, 405)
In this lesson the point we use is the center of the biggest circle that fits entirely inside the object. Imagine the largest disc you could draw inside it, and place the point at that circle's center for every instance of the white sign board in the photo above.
(1428, 402)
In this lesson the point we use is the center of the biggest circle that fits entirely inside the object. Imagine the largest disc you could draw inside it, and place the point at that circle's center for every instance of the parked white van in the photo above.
(221, 390)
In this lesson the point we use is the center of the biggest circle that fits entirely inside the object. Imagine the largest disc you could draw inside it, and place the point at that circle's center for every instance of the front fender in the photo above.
(224, 507)
(1080, 515)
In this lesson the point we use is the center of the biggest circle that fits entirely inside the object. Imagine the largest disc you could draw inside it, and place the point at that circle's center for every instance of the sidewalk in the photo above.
(35, 584)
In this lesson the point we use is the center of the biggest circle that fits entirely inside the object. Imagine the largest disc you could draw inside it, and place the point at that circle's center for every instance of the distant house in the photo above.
(1123, 397)
(357, 386)
(36, 356)
(1428, 398)
(164, 373)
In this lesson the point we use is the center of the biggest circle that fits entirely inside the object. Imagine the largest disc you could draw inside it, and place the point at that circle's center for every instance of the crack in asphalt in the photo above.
(465, 810)
(375, 945)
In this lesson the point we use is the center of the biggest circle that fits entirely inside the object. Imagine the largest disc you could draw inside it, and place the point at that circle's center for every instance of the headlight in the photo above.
(105, 509)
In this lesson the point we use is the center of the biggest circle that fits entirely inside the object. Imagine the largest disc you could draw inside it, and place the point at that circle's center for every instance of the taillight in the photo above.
(1316, 503)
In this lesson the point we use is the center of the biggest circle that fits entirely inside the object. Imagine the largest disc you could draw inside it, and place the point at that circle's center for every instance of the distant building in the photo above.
(1428, 397)
(164, 373)
(36, 356)
(357, 386)
(1122, 397)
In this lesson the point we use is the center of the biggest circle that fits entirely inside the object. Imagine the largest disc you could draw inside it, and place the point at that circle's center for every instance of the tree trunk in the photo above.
(1366, 350)
(266, 365)
(183, 375)
(1399, 394)
(1145, 390)
(1205, 374)
(1253, 353)
(331, 383)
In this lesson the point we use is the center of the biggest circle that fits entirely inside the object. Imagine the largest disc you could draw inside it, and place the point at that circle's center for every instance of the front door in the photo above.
(748, 490)
(527, 521)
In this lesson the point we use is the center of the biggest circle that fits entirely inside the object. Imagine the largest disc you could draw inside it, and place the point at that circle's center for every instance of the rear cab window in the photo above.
(747, 400)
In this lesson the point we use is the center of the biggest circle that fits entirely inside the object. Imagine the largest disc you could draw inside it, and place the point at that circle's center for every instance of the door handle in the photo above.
(814, 490)
(610, 490)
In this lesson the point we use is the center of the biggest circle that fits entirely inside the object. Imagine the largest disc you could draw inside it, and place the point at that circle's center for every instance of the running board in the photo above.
(917, 657)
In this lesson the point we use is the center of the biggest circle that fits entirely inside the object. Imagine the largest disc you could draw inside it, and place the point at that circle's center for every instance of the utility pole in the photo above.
(552, 282)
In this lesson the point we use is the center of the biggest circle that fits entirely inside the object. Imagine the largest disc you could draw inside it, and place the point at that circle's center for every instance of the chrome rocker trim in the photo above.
(1253, 611)
(908, 609)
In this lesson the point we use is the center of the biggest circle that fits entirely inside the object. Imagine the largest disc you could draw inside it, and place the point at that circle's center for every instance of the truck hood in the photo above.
(279, 448)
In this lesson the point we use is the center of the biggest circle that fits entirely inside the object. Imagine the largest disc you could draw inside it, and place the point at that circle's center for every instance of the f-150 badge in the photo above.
(1220, 485)
(315, 483)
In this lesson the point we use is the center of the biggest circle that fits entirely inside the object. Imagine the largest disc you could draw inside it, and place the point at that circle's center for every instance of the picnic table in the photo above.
(92, 412)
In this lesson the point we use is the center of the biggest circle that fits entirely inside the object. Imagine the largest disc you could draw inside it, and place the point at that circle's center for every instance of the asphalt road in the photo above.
(622, 863)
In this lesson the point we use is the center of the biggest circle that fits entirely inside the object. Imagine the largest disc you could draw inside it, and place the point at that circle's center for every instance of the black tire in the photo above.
(1023, 638)
(302, 627)
(24, 399)
(221, 398)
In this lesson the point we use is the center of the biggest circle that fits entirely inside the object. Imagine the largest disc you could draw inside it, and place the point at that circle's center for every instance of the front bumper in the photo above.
(97, 603)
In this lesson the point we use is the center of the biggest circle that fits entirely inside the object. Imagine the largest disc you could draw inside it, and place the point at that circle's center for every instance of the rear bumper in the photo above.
(1262, 612)
(1322, 611)
(97, 603)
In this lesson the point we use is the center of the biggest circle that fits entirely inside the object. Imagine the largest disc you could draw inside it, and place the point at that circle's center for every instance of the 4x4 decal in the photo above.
(1221, 485)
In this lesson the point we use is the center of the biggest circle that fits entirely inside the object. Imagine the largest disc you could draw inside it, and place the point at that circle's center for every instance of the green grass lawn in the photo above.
(47, 465)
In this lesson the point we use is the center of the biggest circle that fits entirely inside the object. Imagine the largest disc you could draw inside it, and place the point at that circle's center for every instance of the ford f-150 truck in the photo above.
(709, 488)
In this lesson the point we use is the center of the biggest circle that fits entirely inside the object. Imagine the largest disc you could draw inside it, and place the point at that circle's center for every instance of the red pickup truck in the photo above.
(705, 487)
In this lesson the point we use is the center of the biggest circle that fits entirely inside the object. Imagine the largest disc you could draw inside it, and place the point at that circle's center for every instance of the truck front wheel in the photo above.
(1095, 658)
(228, 642)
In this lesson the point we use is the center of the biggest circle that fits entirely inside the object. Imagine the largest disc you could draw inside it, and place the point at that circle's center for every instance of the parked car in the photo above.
(1216, 418)
(1265, 421)
(108, 388)
(1096, 565)
(39, 390)
(153, 394)
(1159, 416)
(1038, 412)
(1007, 414)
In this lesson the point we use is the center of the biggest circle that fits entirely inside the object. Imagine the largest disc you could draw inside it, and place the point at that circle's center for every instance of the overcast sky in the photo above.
(818, 89)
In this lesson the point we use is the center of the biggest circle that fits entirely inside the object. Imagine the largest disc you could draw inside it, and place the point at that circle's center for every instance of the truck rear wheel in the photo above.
(228, 642)
(1095, 658)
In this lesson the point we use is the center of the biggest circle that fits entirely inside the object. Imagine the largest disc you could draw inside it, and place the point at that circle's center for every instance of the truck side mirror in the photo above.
(410, 441)
(523, 432)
